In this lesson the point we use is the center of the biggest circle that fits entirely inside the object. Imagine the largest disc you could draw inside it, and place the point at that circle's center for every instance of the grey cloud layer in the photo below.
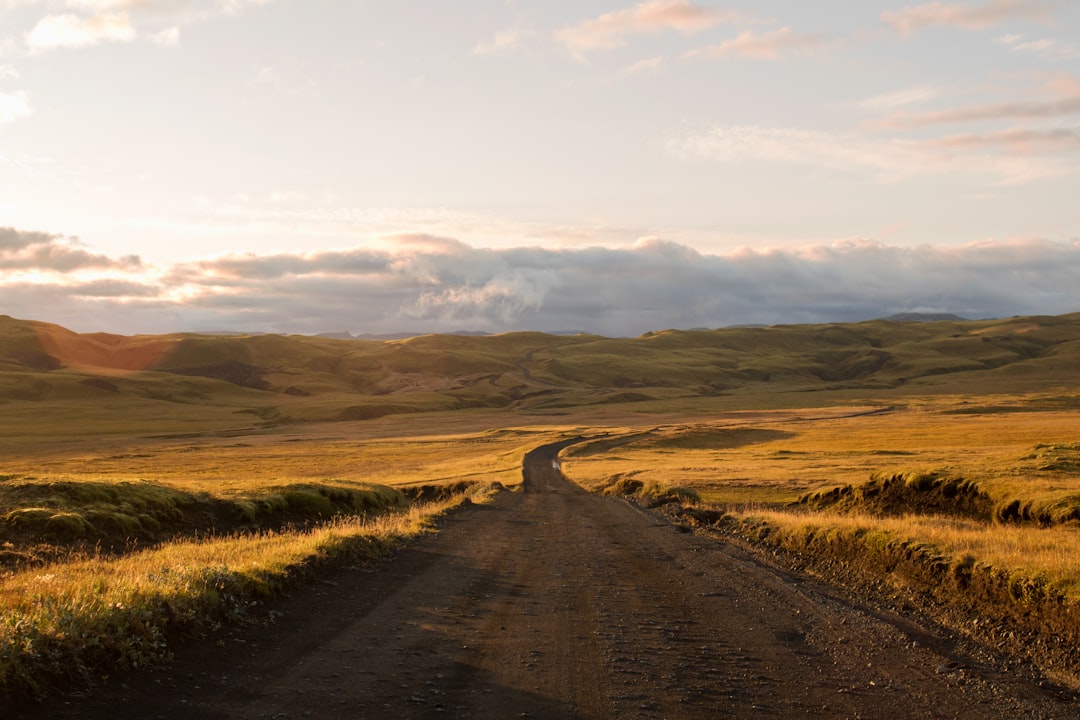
(20, 250)
(434, 284)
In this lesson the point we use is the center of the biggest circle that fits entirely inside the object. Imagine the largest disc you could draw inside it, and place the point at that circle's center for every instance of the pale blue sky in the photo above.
(785, 138)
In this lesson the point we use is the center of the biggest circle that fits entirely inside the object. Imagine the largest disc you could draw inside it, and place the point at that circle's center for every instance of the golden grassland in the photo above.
(761, 464)
(971, 506)
(244, 465)
(773, 458)
(79, 613)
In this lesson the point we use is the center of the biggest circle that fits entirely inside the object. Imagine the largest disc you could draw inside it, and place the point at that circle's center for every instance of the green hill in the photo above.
(281, 378)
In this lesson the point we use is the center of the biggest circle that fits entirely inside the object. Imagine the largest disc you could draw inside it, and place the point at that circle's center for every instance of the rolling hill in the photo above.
(278, 378)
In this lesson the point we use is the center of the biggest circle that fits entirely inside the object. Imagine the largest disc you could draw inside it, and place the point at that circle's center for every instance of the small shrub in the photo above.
(308, 502)
(67, 526)
(33, 518)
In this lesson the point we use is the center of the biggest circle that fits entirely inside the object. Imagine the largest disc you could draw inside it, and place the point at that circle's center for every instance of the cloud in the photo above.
(1017, 141)
(771, 45)
(22, 250)
(72, 31)
(438, 284)
(913, 18)
(798, 146)
(169, 37)
(915, 95)
(14, 106)
(504, 41)
(1043, 47)
(1009, 157)
(610, 30)
(649, 65)
(1026, 110)
(101, 21)
(113, 288)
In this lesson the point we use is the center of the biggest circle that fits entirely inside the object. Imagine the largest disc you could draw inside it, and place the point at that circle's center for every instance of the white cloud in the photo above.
(100, 21)
(170, 37)
(14, 106)
(751, 143)
(504, 41)
(649, 65)
(1043, 47)
(771, 45)
(915, 95)
(72, 31)
(913, 18)
(1008, 158)
(611, 30)
(7, 72)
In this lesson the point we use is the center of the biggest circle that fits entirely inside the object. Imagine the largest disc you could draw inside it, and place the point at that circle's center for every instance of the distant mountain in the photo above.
(925, 317)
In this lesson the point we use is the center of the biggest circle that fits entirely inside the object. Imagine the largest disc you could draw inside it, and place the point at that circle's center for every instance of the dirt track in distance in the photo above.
(554, 603)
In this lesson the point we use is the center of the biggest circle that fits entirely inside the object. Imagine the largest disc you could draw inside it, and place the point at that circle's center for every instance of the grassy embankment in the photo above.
(220, 523)
(970, 510)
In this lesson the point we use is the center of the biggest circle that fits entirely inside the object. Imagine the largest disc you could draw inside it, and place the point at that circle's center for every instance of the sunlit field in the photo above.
(761, 464)
(752, 459)
(168, 534)
(966, 505)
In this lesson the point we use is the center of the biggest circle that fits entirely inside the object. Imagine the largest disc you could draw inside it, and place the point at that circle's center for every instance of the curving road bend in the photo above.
(555, 603)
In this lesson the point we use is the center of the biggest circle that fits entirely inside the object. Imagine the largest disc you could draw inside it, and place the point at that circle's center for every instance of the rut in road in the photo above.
(554, 603)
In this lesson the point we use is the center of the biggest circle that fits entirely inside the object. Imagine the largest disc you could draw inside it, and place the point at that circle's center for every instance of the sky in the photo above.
(605, 166)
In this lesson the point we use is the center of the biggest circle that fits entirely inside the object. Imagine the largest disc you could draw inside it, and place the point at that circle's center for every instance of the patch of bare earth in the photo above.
(554, 603)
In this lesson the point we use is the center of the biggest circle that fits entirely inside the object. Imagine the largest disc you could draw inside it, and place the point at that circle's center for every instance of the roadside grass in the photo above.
(948, 503)
(80, 620)
(1011, 587)
(114, 545)
(1045, 558)
(141, 492)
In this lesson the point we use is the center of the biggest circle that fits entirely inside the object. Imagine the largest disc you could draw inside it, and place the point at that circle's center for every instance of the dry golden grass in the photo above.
(1007, 572)
(243, 465)
(86, 614)
(81, 618)
(776, 457)
(756, 465)
(1046, 553)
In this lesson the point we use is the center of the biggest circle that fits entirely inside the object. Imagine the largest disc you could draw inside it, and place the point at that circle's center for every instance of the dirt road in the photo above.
(554, 603)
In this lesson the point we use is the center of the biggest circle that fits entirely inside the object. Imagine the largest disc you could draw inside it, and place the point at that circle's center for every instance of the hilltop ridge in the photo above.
(327, 378)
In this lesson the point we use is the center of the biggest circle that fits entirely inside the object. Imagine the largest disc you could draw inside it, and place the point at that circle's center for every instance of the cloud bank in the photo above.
(85, 23)
(424, 283)
(912, 18)
(772, 45)
(610, 30)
